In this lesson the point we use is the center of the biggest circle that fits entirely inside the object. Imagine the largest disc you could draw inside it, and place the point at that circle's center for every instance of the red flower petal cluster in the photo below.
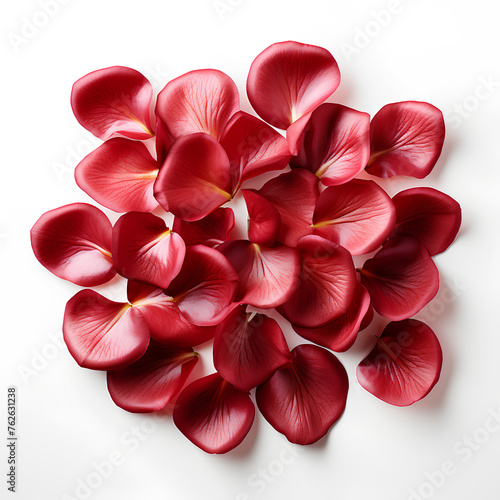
(193, 283)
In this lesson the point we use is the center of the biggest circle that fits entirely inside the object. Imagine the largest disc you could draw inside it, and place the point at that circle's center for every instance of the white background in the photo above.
(438, 51)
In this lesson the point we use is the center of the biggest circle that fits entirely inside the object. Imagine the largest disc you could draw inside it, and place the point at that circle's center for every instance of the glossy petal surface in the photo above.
(264, 221)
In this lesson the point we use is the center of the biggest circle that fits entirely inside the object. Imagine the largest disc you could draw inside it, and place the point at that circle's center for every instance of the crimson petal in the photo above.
(74, 243)
(113, 101)
(406, 139)
(404, 365)
(305, 398)
(401, 278)
(214, 415)
(359, 215)
(264, 220)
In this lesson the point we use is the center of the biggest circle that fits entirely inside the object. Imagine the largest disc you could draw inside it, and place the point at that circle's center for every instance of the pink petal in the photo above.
(289, 79)
(404, 365)
(401, 278)
(74, 243)
(253, 147)
(294, 196)
(294, 134)
(359, 215)
(335, 144)
(340, 334)
(113, 101)
(213, 415)
(264, 220)
(406, 139)
(153, 381)
(212, 230)
(326, 286)
(305, 398)
(101, 334)
(249, 348)
(268, 276)
(119, 175)
(195, 179)
(198, 101)
(429, 215)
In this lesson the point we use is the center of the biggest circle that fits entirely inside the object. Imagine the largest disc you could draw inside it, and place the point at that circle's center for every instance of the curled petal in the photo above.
(289, 79)
(119, 175)
(305, 398)
(406, 138)
(249, 348)
(326, 286)
(113, 101)
(335, 144)
(268, 276)
(359, 215)
(144, 249)
(404, 365)
(212, 230)
(264, 220)
(401, 278)
(199, 101)
(214, 415)
(74, 243)
(102, 334)
(429, 215)
(153, 381)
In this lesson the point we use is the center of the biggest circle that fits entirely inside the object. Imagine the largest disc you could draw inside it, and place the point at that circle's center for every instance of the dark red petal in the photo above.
(401, 278)
(206, 286)
(213, 415)
(74, 243)
(264, 220)
(195, 179)
(102, 334)
(153, 381)
(253, 147)
(144, 249)
(340, 334)
(163, 141)
(406, 139)
(289, 79)
(304, 399)
(429, 215)
(113, 101)
(249, 348)
(268, 276)
(212, 230)
(198, 101)
(335, 144)
(404, 365)
(359, 215)
(294, 196)
(119, 175)
(326, 286)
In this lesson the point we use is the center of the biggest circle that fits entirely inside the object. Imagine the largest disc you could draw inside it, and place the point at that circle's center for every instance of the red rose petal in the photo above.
(264, 220)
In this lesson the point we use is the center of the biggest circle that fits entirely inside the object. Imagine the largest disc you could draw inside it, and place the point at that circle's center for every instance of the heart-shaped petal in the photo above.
(264, 220)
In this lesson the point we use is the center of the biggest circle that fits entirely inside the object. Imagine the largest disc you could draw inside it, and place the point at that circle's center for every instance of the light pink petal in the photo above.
(406, 139)
(326, 286)
(199, 101)
(335, 144)
(102, 334)
(74, 243)
(195, 179)
(113, 101)
(404, 365)
(268, 276)
(144, 249)
(401, 278)
(305, 398)
(119, 175)
(264, 220)
(289, 79)
(213, 415)
(249, 348)
(359, 215)
(429, 215)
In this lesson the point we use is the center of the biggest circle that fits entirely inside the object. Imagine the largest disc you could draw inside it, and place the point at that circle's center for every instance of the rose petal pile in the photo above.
(193, 283)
